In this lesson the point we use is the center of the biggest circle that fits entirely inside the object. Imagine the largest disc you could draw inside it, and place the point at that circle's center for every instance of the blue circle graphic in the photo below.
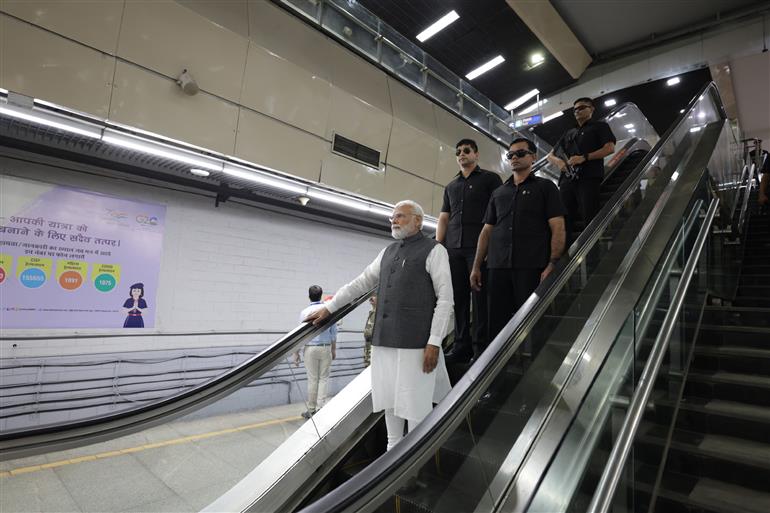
(32, 278)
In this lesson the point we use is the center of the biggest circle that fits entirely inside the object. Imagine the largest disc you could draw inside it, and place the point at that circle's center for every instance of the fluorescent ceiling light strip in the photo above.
(673, 81)
(52, 121)
(629, 125)
(553, 116)
(375, 209)
(610, 103)
(521, 99)
(260, 178)
(485, 67)
(438, 26)
(133, 143)
(338, 199)
(533, 107)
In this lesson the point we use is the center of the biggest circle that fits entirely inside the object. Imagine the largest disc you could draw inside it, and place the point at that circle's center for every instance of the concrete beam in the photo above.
(543, 20)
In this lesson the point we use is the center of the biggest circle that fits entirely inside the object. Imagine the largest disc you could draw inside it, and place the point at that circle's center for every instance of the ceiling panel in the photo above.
(603, 26)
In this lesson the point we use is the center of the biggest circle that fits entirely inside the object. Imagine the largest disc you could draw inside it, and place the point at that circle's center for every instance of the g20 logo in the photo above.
(147, 220)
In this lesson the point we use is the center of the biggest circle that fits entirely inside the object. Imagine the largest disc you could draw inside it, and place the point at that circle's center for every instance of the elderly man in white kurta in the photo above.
(414, 309)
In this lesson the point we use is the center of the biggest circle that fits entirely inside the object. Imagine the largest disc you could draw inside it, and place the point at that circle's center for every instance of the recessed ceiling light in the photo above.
(630, 125)
(485, 67)
(199, 172)
(695, 129)
(673, 81)
(552, 116)
(681, 111)
(701, 115)
(610, 103)
(521, 99)
(632, 130)
(438, 26)
(533, 107)
(536, 58)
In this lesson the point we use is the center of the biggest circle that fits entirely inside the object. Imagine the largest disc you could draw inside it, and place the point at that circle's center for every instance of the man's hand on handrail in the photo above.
(318, 317)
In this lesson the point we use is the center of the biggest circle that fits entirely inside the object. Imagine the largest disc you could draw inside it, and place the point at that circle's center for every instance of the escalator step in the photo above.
(729, 386)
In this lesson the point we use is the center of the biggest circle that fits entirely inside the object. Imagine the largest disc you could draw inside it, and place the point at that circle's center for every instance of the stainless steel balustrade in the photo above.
(608, 483)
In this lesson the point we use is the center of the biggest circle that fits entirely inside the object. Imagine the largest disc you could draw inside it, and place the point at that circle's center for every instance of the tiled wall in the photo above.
(273, 90)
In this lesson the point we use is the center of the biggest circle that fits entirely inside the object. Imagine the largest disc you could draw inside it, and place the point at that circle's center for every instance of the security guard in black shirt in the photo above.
(580, 155)
(522, 238)
(459, 224)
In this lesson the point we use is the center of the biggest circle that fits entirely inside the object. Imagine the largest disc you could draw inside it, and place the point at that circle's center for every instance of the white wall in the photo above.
(273, 89)
(229, 268)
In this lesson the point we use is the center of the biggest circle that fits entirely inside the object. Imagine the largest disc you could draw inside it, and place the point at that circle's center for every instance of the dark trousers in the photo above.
(467, 329)
(581, 199)
(508, 289)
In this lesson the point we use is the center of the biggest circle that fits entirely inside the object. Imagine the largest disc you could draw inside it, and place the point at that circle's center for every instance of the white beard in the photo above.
(398, 233)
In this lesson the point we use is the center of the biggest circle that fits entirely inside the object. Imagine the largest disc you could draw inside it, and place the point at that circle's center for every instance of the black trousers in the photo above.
(468, 330)
(508, 290)
(581, 199)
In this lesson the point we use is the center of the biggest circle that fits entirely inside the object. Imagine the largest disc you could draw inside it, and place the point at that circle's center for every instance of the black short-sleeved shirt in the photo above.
(465, 200)
(586, 139)
(521, 236)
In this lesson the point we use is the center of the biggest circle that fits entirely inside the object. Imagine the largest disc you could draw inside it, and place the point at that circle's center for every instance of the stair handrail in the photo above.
(613, 470)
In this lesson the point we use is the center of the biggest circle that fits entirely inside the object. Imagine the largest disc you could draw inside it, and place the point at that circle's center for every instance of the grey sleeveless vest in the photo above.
(405, 297)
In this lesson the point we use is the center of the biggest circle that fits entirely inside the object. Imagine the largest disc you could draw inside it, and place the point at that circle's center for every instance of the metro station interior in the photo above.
(175, 174)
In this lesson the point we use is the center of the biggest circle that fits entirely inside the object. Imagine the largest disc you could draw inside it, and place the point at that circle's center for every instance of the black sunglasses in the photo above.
(465, 150)
(519, 153)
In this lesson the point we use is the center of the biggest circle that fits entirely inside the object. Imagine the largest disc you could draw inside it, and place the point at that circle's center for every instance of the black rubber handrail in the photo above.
(26, 442)
(382, 476)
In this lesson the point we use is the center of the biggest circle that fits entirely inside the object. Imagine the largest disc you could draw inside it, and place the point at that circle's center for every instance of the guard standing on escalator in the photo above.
(580, 154)
(459, 224)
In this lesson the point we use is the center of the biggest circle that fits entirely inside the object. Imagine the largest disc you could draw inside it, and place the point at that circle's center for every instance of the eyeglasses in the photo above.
(519, 154)
(465, 150)
(582, 107)
(398, 217)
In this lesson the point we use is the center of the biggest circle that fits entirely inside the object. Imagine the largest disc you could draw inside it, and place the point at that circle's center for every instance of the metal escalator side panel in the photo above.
(281, 481)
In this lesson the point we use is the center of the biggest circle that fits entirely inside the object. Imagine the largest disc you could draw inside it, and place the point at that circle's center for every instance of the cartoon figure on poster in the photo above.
(134, 306)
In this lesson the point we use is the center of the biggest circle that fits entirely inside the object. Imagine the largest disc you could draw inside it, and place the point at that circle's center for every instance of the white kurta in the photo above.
(398, 381)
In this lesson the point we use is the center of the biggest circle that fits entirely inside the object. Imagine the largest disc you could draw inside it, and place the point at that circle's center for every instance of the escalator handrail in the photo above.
(25, 442)
(381, 476)
(613, 470)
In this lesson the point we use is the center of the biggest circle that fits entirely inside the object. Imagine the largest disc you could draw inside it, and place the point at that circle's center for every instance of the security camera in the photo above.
(303, 200)
(187, 83)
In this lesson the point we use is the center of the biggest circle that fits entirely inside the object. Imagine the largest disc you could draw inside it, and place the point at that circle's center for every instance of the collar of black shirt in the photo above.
(476, 169)
(529, 178)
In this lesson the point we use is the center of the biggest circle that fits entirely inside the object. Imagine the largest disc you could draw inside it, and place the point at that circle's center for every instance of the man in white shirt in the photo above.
(414, 309)
(319, 353)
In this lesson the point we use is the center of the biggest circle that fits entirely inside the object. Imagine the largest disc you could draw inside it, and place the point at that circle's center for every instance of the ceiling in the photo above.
(488, 28)
(595, 23)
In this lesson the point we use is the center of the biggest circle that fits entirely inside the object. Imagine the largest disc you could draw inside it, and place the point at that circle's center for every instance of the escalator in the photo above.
(472, 456)
(559, 354)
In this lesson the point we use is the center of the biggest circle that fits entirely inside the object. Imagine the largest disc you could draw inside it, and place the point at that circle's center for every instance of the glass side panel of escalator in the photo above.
(180, 465)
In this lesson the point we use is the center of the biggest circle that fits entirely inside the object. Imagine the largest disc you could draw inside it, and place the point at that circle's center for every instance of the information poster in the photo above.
(76, 259)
